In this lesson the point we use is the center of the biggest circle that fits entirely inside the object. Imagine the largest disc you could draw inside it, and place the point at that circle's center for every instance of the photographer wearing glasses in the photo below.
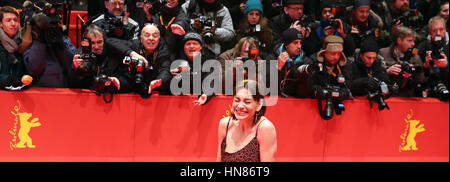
(435, 53)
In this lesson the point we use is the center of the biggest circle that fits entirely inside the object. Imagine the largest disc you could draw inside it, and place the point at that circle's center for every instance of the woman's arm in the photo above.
(221, 136)
(267, 139)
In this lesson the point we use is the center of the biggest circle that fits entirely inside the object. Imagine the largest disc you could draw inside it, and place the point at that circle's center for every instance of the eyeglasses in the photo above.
(115, 3)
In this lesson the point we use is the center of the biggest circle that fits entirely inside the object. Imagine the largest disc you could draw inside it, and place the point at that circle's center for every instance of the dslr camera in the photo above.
(379, 95)
(437, 48)
(102, 85)
(208, 23)
(117, 29)
(157, 5)
(136, 66)
(405, 18)
(333, 96)
(86, 55)
(309, 22)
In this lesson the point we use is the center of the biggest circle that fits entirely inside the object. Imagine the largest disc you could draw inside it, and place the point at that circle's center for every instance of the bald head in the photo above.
(150, 38)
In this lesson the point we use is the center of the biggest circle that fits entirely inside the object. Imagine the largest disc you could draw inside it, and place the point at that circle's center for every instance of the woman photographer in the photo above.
(246, 135)
(12, 67)
(256, 25)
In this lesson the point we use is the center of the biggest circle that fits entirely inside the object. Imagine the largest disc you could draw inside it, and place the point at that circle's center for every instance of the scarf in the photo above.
(9, 44)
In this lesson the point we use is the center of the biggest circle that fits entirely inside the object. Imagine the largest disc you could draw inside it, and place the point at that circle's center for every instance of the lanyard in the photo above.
(339, 70)
(162, 21)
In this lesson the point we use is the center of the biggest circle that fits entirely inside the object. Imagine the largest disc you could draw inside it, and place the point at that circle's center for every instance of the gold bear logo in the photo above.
(412, 128)
(25, 127)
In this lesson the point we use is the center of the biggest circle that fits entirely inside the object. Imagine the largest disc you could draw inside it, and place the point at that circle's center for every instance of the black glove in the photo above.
(371, 83)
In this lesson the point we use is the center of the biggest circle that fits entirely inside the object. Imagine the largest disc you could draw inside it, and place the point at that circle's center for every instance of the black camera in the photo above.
(335, 23)
(437, 48)
(136, 66)
(441, 91)
(102, 85)
(208, 23)
(333, 96)
(379, 95)
(309, 22)
(157, 5)
(86, 55)
(253, 53)
(405, 18)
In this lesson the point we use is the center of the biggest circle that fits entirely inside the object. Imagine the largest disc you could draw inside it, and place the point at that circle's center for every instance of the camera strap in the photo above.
(334, 74)
(168, 24)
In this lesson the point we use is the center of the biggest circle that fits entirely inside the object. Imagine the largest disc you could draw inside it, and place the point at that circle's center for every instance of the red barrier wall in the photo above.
(76, 125)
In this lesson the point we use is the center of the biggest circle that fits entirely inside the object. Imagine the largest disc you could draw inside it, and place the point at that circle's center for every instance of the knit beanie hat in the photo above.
(362, 3)
(333, 43)
(294, 2)
(369, 45)
(290, 35)
(192, 36)
(251, 5)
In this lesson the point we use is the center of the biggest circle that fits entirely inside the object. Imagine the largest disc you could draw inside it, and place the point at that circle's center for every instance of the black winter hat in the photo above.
(290, 35)
(369, 45)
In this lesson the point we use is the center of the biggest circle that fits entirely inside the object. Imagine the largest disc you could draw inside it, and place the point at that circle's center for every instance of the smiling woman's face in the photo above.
(244, 106)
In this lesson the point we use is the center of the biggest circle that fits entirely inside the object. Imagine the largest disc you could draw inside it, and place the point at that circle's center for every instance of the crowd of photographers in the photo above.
(330, 50)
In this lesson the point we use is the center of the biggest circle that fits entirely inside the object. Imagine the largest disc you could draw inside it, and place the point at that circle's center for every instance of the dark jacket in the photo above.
(360, 74)
(172, 40)
(206, 55)
(158, 68)
(353, 41)
(131, 30)
(278, 24)
(108, 63)
(265, 36)
(48, 67)
(11, 70)
(290, 80)
(320, 79)
(443, 72)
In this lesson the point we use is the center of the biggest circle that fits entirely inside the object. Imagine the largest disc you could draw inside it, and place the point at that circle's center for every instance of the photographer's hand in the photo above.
(394, 69)
(115, 81)
(328, 31)
(355, 30)
(282, 58)
(396, 26)
(153, 85)
(428, 58)
(77, 62)
(147, 8)
(136, 55)
(177, 30)
(197, 24)
(242, 7)
(201, 100)
(441, 63)
(341, 28)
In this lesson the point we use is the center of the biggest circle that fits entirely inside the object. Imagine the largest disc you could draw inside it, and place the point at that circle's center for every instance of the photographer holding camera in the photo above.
(368, 74)
(50, 54)
(212, 20)
(331, 81)
(12, 68)
(435, 52)
(171, 20)
(291, 17)
(397, 13)
(328, 25)
(115, 22)
(255, 24)
(290, 57)
(94, 62)
(148, 60)
(361, 25)
(403, 64)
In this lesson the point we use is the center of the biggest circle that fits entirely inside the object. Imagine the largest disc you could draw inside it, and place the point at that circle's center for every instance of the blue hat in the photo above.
(251, 5)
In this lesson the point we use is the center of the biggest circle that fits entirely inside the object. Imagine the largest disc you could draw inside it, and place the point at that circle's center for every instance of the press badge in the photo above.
(340, 79)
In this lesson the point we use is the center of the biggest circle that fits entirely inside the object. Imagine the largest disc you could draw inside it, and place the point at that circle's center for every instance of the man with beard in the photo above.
(171, 20)
(393, 12)
(216, 37)
(84, 71)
